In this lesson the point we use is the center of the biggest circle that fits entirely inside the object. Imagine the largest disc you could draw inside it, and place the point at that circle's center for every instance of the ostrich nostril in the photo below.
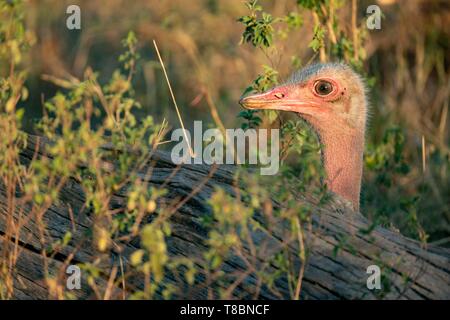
(279, 95)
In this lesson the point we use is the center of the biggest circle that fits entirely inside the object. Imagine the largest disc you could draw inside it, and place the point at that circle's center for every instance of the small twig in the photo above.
(440, 242)
(330, 23)
(214, 112)
(424, 165)
(123, 278)
(301, 271)
(355, 30)
(323, 57)
(110, 284)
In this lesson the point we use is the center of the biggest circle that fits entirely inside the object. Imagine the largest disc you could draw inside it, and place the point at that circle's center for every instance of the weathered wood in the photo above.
(328, 275)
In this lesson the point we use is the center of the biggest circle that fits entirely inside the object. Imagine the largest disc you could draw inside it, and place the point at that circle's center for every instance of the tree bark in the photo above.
(328, 274)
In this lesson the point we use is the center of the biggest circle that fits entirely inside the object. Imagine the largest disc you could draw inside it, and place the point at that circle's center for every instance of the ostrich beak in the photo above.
(275, 99)
(260, 101)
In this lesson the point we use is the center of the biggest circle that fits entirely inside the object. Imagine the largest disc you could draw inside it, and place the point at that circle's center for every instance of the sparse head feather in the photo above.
(327, 69)
(317, 69)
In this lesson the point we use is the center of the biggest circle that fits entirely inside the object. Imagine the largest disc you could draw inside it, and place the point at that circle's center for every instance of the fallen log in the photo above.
(332, 271)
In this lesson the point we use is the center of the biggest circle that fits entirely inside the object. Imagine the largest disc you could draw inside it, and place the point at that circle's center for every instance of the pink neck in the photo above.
(343, 162)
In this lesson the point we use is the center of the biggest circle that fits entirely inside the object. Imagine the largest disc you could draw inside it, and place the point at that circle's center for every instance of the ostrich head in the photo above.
(331, 97)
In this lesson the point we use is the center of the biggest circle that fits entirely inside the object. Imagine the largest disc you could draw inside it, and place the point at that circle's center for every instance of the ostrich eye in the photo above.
(323, 88)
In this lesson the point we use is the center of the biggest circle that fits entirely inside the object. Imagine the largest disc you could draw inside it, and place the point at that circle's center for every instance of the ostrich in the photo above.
(331, 98)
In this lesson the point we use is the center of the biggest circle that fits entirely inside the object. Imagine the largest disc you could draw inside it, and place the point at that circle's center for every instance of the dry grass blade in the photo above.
(173, 98)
